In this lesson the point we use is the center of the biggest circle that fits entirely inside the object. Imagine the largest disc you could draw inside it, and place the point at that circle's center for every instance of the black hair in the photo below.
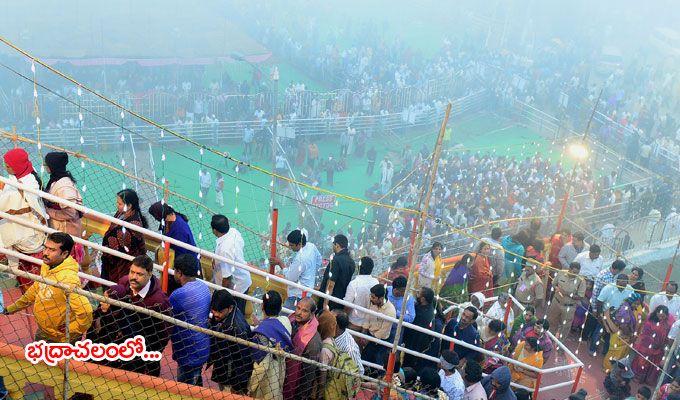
(296, 237)
(618, 265)
(531, 309)
(579, 236)
(522, 394)
(575, 264)
(671, 283)
(497, 325)
(640, 272)
(496, 233)
(64, 240)
(474, 311)
(522, 238)
(533, 343)
(187, 264)
(399, 282)
(272, 303)
(594, 249)
(342, 320)
(544, 323)
(645, 392)
(654, 317)
(143, 261)
(37, 178)
(378, 290)
(473, 371)
(130, 197)
(222, 299)
(430, 381)
(54, 161)
(428, 294)
(341, 240)
(366, 266)
(436, 244)
(220, 223)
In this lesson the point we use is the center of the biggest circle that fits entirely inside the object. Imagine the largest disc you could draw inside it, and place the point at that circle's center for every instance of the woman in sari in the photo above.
(650, 346)
(539, 331)
(492, 337)
(524, 319)
(528, 352)
(621, 325)
(481, 276)
(430, 268)
(455, 287)
(122, 239)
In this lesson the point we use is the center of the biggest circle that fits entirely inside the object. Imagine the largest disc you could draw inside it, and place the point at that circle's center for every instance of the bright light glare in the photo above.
(578, 151)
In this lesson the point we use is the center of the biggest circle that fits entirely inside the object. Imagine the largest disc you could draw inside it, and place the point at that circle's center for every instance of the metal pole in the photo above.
(423, 205)
(666, 364)
(274, 76)
(584, 139)
(272, 240)
(537, 386)
(577, 380)
(669, 271)
(68, 340)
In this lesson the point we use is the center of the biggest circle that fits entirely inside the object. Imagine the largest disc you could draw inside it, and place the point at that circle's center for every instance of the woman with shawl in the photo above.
(122, 239)
(24, 205)
(481, 277)
(63, 185)
(621, 325)
(650, 346)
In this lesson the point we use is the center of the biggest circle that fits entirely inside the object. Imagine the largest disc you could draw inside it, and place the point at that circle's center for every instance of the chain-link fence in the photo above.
(192, 344)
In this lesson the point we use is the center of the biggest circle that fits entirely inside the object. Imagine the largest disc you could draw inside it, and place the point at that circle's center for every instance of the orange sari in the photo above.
(535, 360)
(481, 277)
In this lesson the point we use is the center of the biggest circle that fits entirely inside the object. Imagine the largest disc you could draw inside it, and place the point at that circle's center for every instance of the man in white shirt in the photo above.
(229, 244)
(303, 267)
(668, 298)
(205, 181)
(590, 261)
(451, 381)
(359, 293)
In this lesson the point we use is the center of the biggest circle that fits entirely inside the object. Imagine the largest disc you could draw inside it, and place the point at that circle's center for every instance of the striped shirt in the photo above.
(346, 343)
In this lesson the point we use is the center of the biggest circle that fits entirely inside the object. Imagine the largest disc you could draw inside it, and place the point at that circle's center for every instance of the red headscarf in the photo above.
(17, 159)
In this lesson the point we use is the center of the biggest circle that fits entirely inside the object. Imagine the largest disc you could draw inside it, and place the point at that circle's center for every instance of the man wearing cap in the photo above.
(451, 381)
(530, 289)
(570, 288)
(570, 250)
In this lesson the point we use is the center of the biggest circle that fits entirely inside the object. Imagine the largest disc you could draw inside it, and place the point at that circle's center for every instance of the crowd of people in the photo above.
(576, 294)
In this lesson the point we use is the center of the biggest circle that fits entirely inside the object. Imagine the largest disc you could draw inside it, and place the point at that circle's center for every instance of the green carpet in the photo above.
(484, 133)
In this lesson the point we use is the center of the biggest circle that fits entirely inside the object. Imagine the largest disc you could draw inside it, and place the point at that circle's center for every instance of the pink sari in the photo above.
(650, 344)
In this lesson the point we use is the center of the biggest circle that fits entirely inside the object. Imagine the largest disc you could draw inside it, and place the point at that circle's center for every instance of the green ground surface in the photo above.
(483, 132)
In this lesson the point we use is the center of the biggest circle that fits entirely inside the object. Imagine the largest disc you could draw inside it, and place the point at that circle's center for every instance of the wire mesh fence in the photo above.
(192, 343)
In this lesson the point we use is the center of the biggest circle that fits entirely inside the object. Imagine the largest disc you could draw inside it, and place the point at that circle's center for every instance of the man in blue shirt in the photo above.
(190, 303)
(395, 294)
(464, 330)
(303, 267)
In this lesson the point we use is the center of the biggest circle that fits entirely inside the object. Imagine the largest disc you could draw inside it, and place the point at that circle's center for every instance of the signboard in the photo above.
(325, 201)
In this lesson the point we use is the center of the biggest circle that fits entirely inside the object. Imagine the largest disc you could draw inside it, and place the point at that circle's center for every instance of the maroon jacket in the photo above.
(121, 323)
